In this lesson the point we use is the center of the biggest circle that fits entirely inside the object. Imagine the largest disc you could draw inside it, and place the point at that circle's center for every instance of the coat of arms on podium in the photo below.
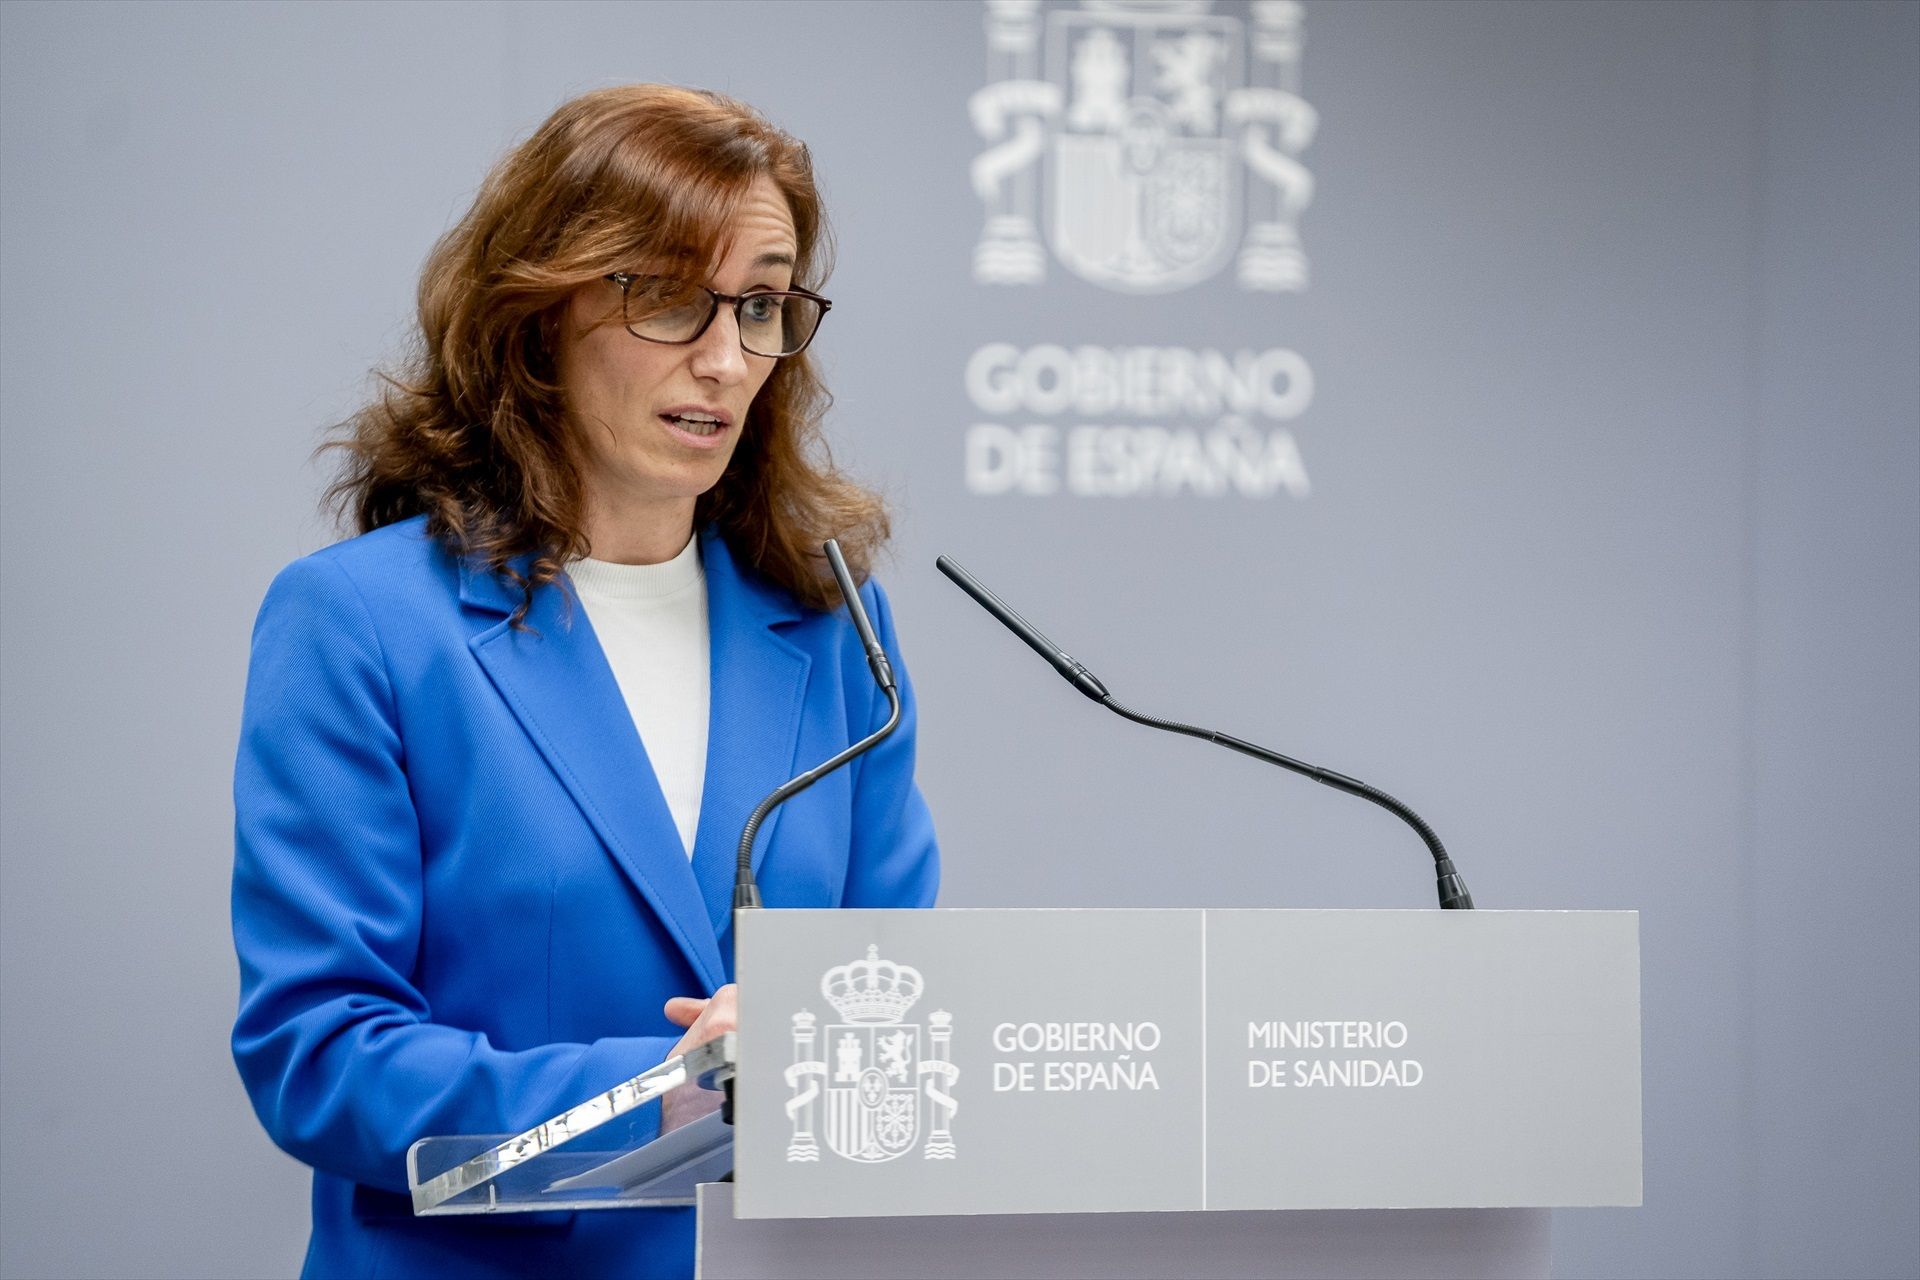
(872, 1081)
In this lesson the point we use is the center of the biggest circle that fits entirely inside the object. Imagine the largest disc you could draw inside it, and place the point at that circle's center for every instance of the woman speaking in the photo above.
(498, 749)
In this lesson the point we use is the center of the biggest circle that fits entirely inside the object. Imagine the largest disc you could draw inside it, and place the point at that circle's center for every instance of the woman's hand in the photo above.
(704, 1020)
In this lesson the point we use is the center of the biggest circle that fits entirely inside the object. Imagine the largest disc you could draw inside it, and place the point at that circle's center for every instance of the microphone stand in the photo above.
(746, 893)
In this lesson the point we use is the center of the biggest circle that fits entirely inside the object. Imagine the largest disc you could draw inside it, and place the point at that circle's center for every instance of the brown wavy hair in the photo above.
(472, 430)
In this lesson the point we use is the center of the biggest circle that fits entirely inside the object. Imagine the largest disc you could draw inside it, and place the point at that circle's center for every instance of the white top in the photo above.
(652, 624)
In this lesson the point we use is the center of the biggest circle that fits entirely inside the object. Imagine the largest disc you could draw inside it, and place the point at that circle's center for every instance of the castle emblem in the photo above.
(1148, 125)
(867, 1082)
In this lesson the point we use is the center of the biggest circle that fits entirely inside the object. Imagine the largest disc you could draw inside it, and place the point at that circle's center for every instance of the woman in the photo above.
(497, 750)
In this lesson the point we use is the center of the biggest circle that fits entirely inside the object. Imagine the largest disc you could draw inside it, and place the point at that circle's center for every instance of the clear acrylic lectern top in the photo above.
(606, 1153)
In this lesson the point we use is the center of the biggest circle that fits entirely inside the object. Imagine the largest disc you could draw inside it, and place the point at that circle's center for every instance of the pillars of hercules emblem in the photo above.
(1277, 125)
(939, 1070)
(1010, 112)
(803, 1079)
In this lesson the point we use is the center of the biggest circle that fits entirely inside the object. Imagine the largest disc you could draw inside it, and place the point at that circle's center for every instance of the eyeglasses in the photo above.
(771, 322)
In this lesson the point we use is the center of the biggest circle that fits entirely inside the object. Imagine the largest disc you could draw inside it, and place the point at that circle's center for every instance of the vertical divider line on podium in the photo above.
(1203, 1059)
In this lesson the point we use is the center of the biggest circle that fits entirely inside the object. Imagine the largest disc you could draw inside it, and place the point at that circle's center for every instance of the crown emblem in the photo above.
(871, 990)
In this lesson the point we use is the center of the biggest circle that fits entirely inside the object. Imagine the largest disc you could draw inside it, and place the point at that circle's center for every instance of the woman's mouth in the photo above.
(695, 425)
(698, 426)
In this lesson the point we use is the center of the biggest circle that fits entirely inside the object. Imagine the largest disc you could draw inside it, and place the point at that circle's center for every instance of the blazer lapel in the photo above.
(758, 691)
(558, 683)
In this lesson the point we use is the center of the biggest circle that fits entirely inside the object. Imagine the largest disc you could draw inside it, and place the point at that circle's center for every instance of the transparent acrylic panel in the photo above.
(607, 1152)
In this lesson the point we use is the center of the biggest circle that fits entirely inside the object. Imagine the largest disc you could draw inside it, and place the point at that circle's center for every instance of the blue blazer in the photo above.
(459, 898)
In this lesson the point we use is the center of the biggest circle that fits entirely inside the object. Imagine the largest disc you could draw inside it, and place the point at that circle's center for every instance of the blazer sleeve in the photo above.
(894, 861)
(338, 1050)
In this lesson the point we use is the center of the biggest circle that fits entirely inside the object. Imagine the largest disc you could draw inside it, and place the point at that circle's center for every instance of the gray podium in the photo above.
(1115, 1093)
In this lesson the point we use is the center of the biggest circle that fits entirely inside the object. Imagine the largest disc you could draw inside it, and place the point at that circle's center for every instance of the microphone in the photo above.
(876, 656)
(1452, 889)
(746, 894)
(1076, 675)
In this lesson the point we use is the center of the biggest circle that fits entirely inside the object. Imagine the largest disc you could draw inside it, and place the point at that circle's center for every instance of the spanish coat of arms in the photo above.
(1148, 119)
(867, 1082)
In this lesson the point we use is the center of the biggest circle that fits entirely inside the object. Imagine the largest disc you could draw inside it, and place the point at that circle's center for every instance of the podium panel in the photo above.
(1127, 1061)
(1313, 1244)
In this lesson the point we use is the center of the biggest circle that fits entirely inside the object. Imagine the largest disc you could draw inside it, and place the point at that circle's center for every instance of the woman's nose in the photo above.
(717, 354)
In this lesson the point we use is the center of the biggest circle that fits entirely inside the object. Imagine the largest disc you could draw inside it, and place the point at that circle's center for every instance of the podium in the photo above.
(1120, 1092)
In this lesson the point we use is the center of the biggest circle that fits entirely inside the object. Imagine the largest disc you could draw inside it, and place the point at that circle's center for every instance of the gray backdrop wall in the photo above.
(1607, 555)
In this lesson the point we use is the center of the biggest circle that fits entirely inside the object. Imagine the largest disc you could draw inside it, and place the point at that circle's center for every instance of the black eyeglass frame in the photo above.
(625, 280)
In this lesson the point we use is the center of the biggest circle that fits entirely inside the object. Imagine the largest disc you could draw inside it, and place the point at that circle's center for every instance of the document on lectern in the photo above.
(607, 1151)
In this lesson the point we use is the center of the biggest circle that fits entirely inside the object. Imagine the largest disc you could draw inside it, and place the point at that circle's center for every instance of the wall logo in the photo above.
(874, 1069)
(1153, 133)
(1161, 144)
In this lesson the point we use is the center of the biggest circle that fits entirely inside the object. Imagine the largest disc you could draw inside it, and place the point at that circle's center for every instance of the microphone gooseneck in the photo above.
(746, 894)
(1451, 888)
